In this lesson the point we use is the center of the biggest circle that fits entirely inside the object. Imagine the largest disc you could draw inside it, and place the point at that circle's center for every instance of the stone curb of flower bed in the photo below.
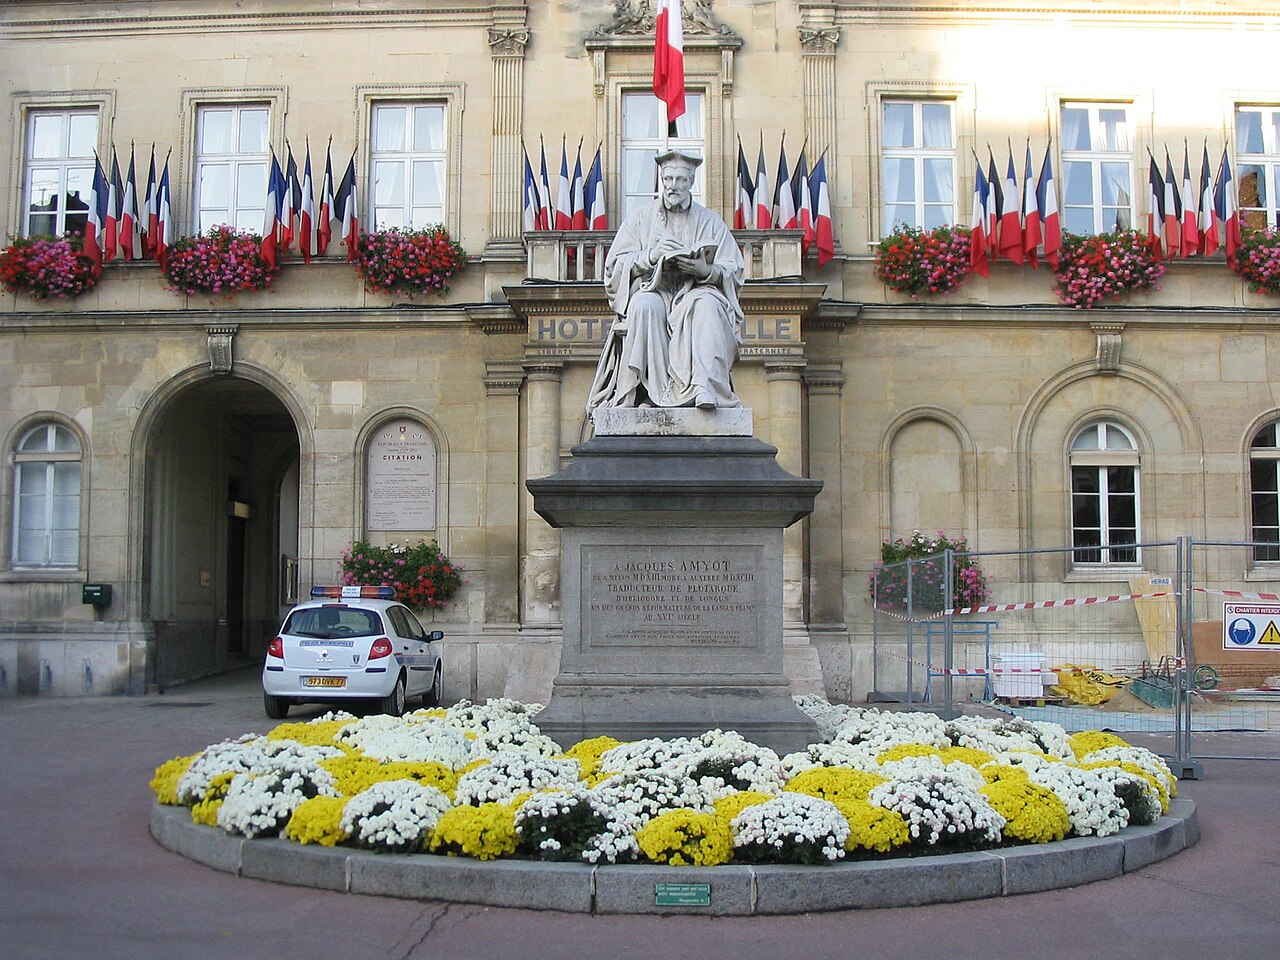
(734, 890)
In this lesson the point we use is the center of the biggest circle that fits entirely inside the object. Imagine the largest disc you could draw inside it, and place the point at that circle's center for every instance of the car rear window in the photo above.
(329, 623)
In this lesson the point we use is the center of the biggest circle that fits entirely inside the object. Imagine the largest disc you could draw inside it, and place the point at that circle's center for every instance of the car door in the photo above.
(411, 649)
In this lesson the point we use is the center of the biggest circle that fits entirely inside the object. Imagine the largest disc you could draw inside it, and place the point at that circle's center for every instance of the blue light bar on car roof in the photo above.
(363, 593)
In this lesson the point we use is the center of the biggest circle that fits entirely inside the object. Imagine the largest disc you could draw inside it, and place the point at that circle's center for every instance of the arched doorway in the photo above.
(221, 525)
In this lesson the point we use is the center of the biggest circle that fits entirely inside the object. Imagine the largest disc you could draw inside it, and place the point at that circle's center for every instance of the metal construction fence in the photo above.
(1179, 639)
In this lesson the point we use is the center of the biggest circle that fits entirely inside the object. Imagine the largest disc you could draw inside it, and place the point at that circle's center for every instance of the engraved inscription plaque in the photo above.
(401, 478)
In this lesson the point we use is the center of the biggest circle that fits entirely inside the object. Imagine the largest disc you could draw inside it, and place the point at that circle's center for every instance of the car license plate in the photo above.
(324, 681)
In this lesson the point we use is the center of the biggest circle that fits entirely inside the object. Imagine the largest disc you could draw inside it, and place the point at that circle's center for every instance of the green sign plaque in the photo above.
(682, 894)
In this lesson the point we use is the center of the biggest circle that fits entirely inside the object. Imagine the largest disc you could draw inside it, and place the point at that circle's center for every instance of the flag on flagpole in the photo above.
(95, 223)
(803, 202)
(307, 212)
(1011, 215)
(1155, 208)
(111, 228)
(784, 203)
(1031, 235)
(164, 218)
(1050, 221)
(147, 214)
(530, 197)
(763, 208)
(1190, 228)
(668, 58)
(546, 218)
(1207, 224)
(130, 228)
(271, 216)
(744, 194)
(564, 195)
(995, 200)
(325, 215)
(577, 193)
(291, 201)
(823, 230)
(978, 221)
(1226, 206)
(593, 196)
(346, 207)
(1172, 211)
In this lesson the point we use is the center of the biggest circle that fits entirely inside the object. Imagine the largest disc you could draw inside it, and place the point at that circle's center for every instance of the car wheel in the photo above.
(277, 707)
(435, 695)
(393, 703)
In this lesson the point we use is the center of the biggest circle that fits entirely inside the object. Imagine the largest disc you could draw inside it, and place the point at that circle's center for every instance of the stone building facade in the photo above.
(220, 447)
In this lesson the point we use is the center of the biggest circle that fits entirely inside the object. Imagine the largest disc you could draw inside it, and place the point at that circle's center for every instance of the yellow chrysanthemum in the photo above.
(999, 772)
(473, 765)
(164, 784)
(904, 750)
(686, 838)
(1088, 741)
(205, 810)
(587, 753)
(484, 832)
(729, 807)
(312, 734)
(873, 828)
(1033, 813)
(970, 755)
(318, 820)
(352, 774)
(835, 783)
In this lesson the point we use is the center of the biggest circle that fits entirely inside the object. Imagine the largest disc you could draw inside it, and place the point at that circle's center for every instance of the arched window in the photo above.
(46, 498)
(1264, 492)
(1104, 495)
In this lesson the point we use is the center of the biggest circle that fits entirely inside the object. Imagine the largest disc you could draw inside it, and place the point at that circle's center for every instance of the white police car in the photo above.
(352, 643)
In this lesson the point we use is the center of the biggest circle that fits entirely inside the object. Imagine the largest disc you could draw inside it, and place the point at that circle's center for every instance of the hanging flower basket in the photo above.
(1092, 268)
(42, 267)
(915, 261)
(410, 262)
(220, 261)
(1257, 259)
(424, 578)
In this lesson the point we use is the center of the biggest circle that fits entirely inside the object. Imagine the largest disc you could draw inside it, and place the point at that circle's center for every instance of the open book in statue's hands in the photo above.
(675, 273)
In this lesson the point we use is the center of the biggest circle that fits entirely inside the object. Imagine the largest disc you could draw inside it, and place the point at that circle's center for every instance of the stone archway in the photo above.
(221, 525)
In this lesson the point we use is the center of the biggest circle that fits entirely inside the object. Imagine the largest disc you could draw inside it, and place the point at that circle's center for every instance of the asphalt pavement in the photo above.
(80, 876)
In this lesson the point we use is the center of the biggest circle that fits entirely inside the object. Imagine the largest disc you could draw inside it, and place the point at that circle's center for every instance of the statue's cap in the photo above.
(678, 156)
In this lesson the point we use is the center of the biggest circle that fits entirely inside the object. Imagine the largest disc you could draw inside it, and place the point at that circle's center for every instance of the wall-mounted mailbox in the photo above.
(98, 594)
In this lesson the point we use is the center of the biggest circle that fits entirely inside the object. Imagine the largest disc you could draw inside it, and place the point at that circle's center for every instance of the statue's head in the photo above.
(675, 175)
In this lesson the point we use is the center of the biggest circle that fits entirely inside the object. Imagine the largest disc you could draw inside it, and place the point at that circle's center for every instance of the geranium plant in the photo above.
(915, 261)
(424, 577)
(400, 260)
(47, 267)
(219, 261)
(925, 557)
(1257, 259)
(1094, 267)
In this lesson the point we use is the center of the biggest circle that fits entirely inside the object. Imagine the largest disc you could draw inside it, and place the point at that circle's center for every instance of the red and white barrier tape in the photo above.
(1045, 604)
(1236, 593)
(1138, 670)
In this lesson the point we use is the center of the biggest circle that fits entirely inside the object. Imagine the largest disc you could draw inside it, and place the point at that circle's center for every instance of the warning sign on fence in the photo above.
(1250, 626)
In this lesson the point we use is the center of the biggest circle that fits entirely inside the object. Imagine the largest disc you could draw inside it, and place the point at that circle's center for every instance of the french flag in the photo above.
(564, 194)
(307, 212)
(130, 227)
(1226, 208)
(577, 193)
(1172, 210)
(324, 217)
(764, 210)
(995, 200)
(1208, 223)
(1155, 208)
(803, 202)
(95, 224)
(147, 214)
(593, 197)
(744, 207)
(530, 208)
(111, 226)
(668, 58)
(346, 209)
(271, 217)
(546, 215)
(1190, 221)
(978, 221)
(164, 218)
(1011, 216)
(784, 199)
(1050, 221)
(290, 201)
(823, 232)
(1031, 235)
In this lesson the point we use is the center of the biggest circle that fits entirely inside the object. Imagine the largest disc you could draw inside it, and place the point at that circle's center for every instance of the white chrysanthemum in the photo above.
(511, 773)
(261, 803)
(1004, 735)
(1149, 761)
(940, 807)
(1090, 799)
(416, 740)
(880, 731)
(639, 797)
(829, 716)
(793, 827)
(511, 733)
(839, 754)
(913, 768)
(395, 815)
(652, 753)
(243, 755)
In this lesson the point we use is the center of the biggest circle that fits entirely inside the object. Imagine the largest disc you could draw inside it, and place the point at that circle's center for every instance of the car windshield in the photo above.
(328, 623)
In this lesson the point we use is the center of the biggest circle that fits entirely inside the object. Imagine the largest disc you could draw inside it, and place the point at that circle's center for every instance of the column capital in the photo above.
(818, 41)
(544, 369)
(790, 368)
(502, 379)
(824, 377)
(508, 41)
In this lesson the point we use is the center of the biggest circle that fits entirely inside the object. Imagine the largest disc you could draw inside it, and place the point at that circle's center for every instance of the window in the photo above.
(232, 165)
(1258, 159)
(1097, 168)
(46, 502)
(59, 170)
(1264, 492)
(918, 163)
(408, 157)
(644, 136)
(1104, 495)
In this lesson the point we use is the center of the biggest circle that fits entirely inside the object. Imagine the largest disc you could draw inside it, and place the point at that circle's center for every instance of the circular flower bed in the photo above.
(221, 261)
(47, 267)
(480, 780)
(1257, 259)
(915, 261)
(400, 260)
(1091, 268)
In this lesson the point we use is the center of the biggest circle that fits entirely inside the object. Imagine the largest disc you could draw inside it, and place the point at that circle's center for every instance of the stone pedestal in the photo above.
(671, 580)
